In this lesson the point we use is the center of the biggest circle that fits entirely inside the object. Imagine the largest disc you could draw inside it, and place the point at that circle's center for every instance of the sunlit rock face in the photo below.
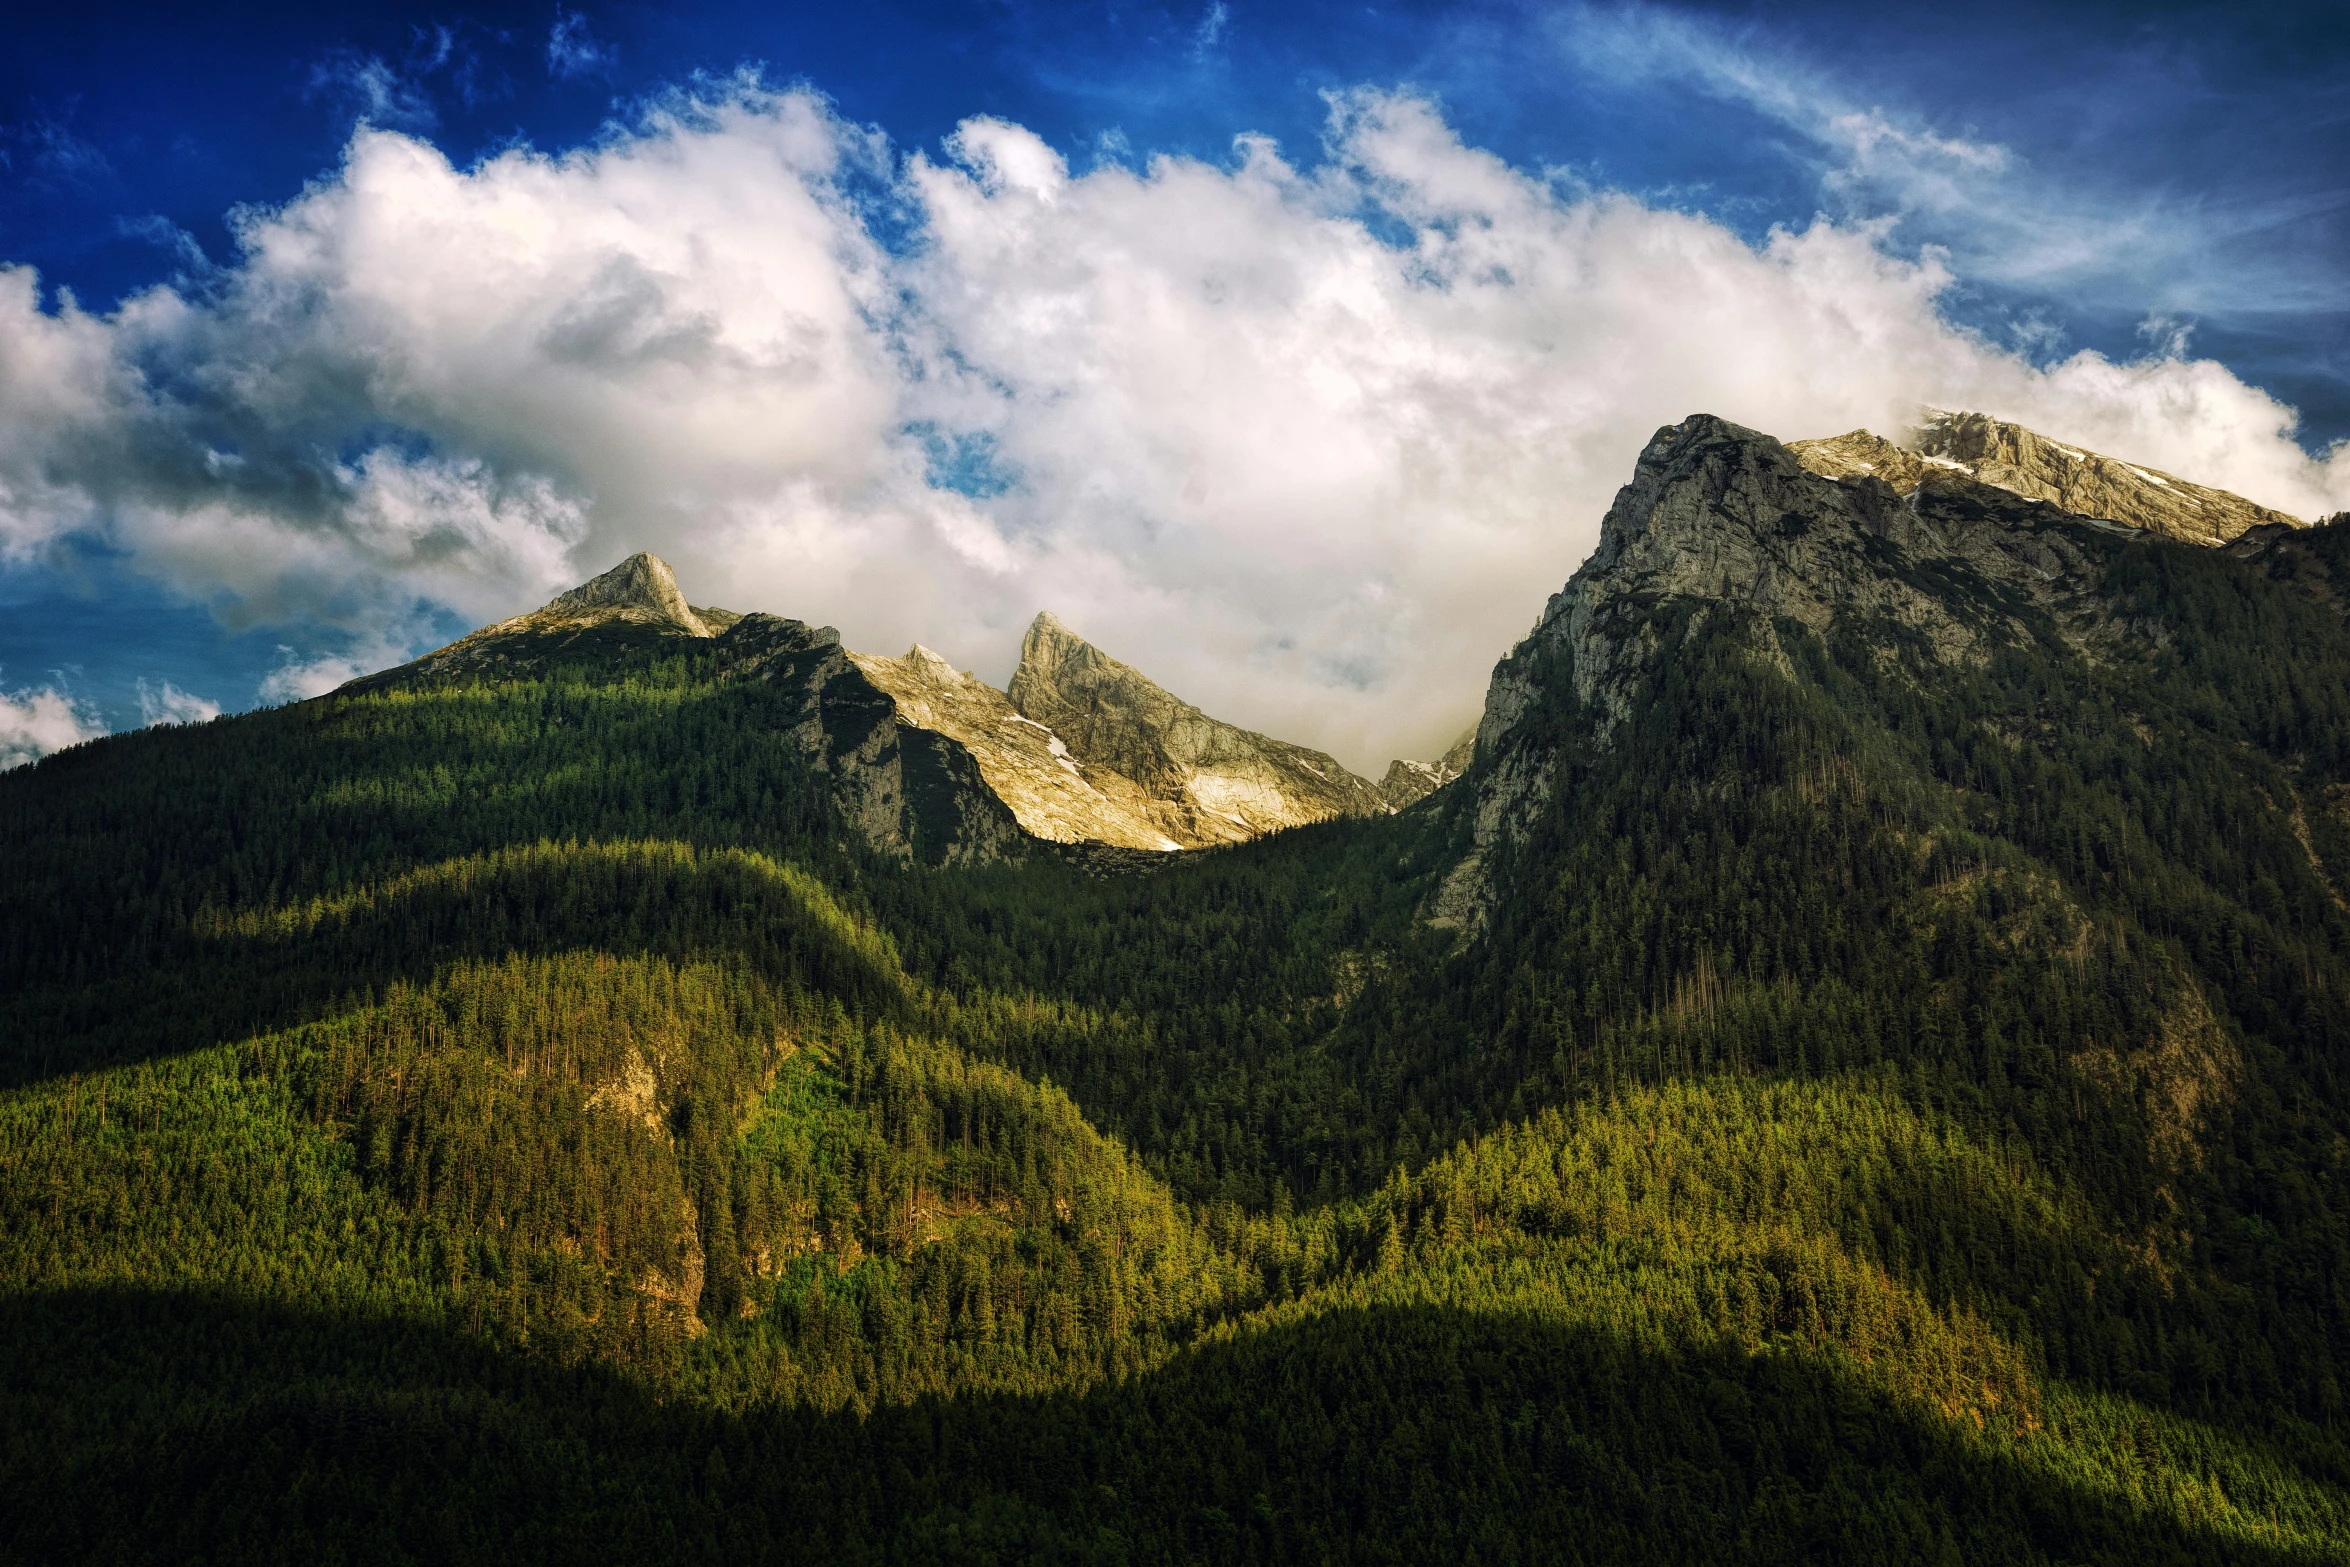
(1976, 448)
(1200, 781)
(1051, 793)
(1085, 749)
(641, 588)
(635, 603)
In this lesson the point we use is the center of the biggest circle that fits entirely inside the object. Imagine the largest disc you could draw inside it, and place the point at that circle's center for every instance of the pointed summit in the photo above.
(1048, 646)
(1408, 782)
(1212, 782)
(635, 603)
(1093, 701)
(640, 586)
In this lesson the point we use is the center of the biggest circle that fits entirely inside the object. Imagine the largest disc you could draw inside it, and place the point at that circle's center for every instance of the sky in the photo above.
(1290, 353)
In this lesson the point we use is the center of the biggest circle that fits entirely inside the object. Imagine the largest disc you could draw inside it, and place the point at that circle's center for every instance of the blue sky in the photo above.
(2137, 183)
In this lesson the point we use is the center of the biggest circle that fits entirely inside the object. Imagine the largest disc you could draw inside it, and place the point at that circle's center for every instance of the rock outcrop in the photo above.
(641, 589)
(1976, 448)
(1200, 781)
(907, 789)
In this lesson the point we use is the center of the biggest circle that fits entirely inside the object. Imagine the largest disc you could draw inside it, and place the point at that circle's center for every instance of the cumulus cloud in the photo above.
(35, 723)
(1308, 439)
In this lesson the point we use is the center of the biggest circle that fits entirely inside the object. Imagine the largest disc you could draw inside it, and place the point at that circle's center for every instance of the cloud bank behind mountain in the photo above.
(1309, 436)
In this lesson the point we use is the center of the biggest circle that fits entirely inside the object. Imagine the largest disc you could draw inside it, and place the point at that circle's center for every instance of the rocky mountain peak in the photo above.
(1105, 710)
(1408, 782)
(1974, 448)
(1214, 782)
(636, 601)
(1722, 520)
(641, 587)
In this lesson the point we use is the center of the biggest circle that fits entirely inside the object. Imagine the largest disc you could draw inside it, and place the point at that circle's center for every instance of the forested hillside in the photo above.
(1858, 1070)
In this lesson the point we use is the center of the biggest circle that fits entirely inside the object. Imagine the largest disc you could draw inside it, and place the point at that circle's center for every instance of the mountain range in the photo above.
(1080, 749)
(1083, 749)
(1851, 1068)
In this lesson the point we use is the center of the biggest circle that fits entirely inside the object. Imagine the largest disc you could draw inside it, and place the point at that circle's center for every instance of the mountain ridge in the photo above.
(1140, 770)
(1724, 518)
(1952, 447)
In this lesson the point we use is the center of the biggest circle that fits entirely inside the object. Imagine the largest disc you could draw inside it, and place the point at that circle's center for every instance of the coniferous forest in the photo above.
(1892, 1109)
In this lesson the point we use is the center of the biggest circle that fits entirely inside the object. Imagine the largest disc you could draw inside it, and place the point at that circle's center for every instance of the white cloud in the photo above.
(297, 679)
(165, 703)
(35, 723)
(1308, 441)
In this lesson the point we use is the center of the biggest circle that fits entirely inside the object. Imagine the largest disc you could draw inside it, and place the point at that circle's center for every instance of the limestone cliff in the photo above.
(641, 588)
(1973, 447)
(908, 789)
(1200, 781)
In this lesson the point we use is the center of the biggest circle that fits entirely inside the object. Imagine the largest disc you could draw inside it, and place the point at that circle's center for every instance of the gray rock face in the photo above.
(1201, 781)
(1963, 447)
(1729, 521)
(908, 790)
